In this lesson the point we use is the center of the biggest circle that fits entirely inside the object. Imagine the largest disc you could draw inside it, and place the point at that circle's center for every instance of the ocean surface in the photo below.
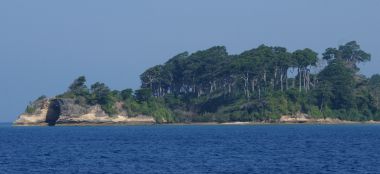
(191, 149)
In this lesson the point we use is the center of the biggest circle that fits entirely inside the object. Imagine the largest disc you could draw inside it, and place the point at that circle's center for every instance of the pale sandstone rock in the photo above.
(67, 111)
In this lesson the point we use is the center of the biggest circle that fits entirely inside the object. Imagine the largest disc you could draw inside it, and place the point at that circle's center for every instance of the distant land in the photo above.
(212, 86)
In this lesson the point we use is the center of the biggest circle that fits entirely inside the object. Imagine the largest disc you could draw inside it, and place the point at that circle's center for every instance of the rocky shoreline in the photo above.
(65, 112)
(150, 121)
(51, 112)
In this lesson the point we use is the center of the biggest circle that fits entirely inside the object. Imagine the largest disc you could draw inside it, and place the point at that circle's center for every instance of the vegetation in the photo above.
(260, 84)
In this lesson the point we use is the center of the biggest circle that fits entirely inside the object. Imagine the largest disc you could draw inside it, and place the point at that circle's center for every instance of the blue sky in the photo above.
(45, 44)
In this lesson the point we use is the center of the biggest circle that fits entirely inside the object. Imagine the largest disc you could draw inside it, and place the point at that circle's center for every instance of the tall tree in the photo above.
(100, 93)
(78, 87)
(304, 60)
(340, 83)
(350, 53)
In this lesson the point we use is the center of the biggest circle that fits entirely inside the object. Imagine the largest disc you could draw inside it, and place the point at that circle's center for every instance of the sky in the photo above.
(46, 44)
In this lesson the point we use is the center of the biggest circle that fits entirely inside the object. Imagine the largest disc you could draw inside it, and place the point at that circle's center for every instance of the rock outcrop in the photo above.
(37, 116)
(68, 111)
(305, 118)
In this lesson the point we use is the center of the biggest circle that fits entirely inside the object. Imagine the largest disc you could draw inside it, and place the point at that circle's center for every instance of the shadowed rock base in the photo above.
(53, 113)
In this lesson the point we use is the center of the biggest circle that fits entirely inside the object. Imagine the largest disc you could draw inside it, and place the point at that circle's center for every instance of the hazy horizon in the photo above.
(44, 45)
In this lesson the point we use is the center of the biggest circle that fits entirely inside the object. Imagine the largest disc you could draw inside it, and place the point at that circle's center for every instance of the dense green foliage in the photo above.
(260, 84)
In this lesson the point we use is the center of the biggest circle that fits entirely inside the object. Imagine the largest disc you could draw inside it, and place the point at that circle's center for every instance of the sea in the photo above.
(289, 148)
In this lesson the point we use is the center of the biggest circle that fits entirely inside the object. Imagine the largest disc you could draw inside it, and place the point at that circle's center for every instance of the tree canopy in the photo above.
(255, 85)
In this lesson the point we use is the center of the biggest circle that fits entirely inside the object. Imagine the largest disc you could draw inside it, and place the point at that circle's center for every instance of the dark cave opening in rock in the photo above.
(53, 113)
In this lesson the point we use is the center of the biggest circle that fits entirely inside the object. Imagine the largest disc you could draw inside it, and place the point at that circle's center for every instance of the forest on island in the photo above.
(260, 84)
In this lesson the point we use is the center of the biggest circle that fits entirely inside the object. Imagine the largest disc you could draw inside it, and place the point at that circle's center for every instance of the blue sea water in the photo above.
(191, 149)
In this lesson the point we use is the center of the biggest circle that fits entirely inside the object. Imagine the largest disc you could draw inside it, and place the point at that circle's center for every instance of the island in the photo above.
(267, 84)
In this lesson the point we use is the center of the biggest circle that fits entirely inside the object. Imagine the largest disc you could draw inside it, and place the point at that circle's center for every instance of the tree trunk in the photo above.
(211, 87)
(281, 83)
(246, 80)
(275, 77)
(307, 80)
(300, 79)
(286, 80)
(253, 85)
(304, 79)
(265, 79)
(259, 92)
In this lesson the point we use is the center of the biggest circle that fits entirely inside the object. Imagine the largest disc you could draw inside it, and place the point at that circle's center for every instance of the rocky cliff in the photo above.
(56, 111)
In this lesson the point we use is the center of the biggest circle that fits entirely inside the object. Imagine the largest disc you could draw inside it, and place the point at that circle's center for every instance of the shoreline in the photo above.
(341, 122)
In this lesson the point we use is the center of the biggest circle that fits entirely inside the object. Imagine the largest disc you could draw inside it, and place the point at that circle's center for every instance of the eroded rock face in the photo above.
(37, 117)
(68, 111)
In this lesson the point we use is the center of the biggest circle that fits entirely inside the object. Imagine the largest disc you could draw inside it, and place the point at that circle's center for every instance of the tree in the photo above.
(200, 70)
(100, 92)
(374, 87)
(143, 94)
(338, 80)
(350, 53)
(284, 62)
(77, 90)
(78, 87)
(331, 54)
(324, 94)
(245, 68)
(304, 59)
(102, 95)
(126, 94)
(176, 66)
